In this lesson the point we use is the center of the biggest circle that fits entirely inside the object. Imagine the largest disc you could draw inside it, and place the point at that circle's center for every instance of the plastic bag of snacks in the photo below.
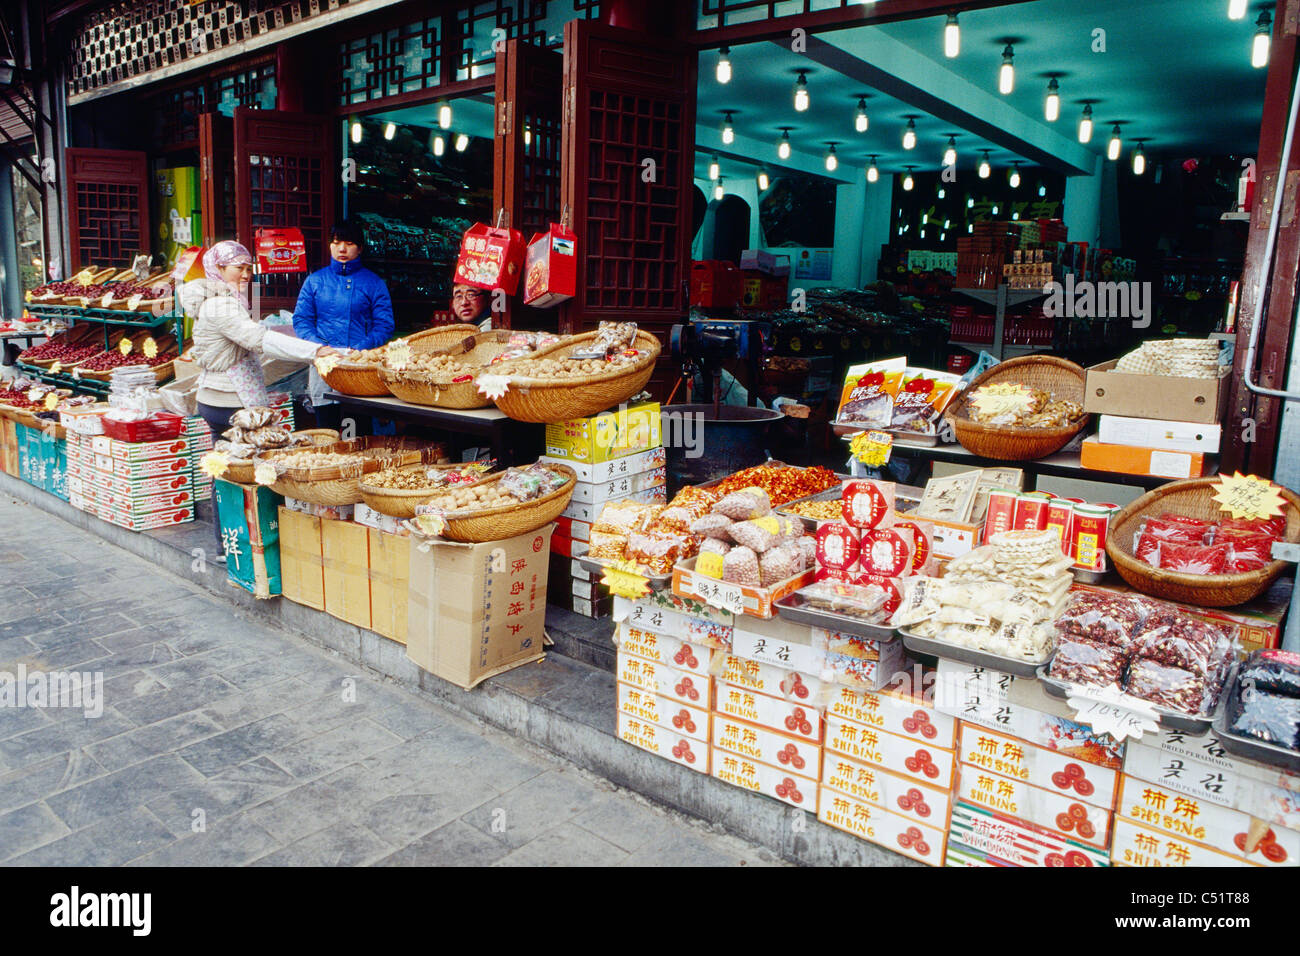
(779, 563)
(1170, 687)
(1180, 641)
(714, 546)
(1087, 662)
(528, 484)
(740, 566)
(606, 546)
(687, 506)
(1266, 702)
(852, 600)
(1192, 558)
(623, 517)
(744, 505)
(1273, 671)
(759, 535)
(657, 551)
(713, 526)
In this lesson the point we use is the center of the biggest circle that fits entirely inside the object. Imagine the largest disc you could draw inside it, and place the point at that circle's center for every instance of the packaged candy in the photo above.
(714, 546)
(1166, 686)
(607, 546)
(1080, 661)
(623, 517)
(1192, 558)
(1103, 618)
(1179, 641)
(1177, 531)
(740, 566)
(837, 546)
(865, 603)
(658, 551)
(1274, 671)
(744, 504)
(759, 535)
(887, 552)
(1271, 718)
(778, 564)
(868, 504)
(712, 526)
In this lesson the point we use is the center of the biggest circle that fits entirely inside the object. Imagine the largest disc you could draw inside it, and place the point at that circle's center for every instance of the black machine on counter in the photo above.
(705, 346)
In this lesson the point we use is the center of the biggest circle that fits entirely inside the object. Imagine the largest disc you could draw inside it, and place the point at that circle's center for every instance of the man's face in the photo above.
(468, 303)
(344, 251)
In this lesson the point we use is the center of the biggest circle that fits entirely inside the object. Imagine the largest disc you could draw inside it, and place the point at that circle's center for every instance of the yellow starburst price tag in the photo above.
(1248, 496)
(56, 368)
(214, 464)
(51, 401)
(149, 348)
(326, 364)
(623, 581)
(431, 523)
(125, 346)
(264, 473)
(872, 448)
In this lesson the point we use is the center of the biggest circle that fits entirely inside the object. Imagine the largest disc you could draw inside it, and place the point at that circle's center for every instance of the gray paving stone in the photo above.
(454, 844)
(29, 784)
(262, 772)
(304, 810)
(333, 749)
(626, 823)
(115, 644)
(678, 851)
(141, 743)
(27, 828)
(521, 815)
(565, 845)
(232, 747)
(22, 720)
(113, 841)
(61, 737)
(115, 793)
(237, 708)
(402, 818)
(192, 667)
(132, 684)
(230, 842)
(342, 844)
(30, 624)
(69, 655)
(152, 708)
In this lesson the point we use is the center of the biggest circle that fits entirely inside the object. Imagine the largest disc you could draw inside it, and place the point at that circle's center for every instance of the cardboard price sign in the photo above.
(625, 584)
(1247, 496)
(1110, 711)
(872, 448)
(725, 597)
(125, 346)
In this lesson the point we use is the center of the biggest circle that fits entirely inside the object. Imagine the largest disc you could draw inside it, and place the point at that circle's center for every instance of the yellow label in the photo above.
(125, 346)
(264, 473)
(768, 524)
(83, 277)
(709, 563)
(56, 368)
(149, 348)
(1247, 496)
(214, 464)
(625, 583)
(872, 448)
(398, 355)
(431, 524)
(51, 401)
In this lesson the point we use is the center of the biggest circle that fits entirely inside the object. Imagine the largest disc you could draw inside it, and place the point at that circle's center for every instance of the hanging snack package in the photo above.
(490, 258)
(550, 267)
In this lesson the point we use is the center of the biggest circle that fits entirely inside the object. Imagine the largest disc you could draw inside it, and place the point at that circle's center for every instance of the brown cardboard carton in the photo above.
(345, 554)
(390, 580)
(301, 566)
(1162, 397)
(8, 447)
(477, 609)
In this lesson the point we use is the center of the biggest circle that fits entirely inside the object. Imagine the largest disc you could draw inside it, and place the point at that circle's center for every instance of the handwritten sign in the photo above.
(625, 583)
(1248, 496)
(725, 597)
(872, 448)
(1110, 711)
(709, 563)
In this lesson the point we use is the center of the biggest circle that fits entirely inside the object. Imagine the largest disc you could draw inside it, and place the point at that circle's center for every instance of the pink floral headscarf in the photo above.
(222, 254)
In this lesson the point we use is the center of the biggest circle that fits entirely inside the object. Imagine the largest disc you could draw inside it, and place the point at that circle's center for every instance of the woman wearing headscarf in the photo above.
(228, 342)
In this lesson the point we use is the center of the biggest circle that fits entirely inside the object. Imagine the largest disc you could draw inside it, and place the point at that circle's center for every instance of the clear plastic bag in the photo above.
(1171, 687)
(1088, 662)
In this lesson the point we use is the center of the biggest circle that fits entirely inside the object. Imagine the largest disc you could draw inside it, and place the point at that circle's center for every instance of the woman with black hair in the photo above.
(344, 305)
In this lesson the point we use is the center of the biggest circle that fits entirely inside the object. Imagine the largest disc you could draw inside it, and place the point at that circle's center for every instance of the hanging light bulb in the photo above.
(950, 154)
(462, 142)
(783, 147)
(715, 168)
(1085, 124)
(832, 161)
(947, 223)
(718, 191)
(444, 116)
(951, 37)
(1015, 176)
(1115, 144)
(1042, 191)
(1139, 160)
(970, 202)
(1015, 215)
(994, 210)
(356, 132)
(1007, 74)
(1259, 49)
(860, 122)
(909, 135)
(728, 131)
(1052, 106)
(942, 193)
(801, 92)
(763, 180)
(390, 131)
(908, 182)
(528, 135)
(925, 219)
(439, 146)
(873, 171)
(724, 66)
(1236, 9)
(985, 169)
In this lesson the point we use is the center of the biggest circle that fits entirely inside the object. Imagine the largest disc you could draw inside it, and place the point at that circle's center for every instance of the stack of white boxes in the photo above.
(200, 436)
(137, 485)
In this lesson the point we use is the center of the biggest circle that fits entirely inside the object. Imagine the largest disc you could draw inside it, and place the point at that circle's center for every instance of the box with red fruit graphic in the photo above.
(773, 681)
(792, 717)
(756, 777)
(662, 612)
(695, 658)
(1072, 818)
(1200, 821)
(1018, 759)
(886, 789)
(655, 709)
(691, 689)
(1136, 845)
(1234, 786)
(669, 744)
(897, 714)
(903, 755)
(1016, 842)
(793, 755)
(891, 830)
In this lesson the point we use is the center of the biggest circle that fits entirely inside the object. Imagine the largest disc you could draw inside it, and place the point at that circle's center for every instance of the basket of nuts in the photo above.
(492, 509)
(396, 491)
(331, 474)
(359, 374)
(557, 384)
(448, 378)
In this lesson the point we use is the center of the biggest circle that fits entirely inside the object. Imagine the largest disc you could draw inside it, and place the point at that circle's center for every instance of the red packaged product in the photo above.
(923, 541)
(1170, 687)
(1147, 548)
(1175, 531)
(1248, 552)
(887, 552)
(837, 546)
(1180, 641)
(1275, 526)
(1198, 523)
(1000, 513)
(1086, 662)
(836, 574)
(868, 504)
(1193, 558)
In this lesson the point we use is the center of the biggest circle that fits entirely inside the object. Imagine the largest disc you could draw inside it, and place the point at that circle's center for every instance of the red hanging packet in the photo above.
(491, 257)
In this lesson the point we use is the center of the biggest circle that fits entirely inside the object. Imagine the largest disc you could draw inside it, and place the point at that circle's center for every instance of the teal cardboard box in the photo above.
(31, 464)
(250, 529)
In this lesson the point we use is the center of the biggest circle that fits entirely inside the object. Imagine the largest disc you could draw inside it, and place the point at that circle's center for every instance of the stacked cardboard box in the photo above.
(137, 485)
(42, 459)
(200, 436)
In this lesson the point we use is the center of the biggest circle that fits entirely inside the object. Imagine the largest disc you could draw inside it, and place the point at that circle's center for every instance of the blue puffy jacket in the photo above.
(344, 305)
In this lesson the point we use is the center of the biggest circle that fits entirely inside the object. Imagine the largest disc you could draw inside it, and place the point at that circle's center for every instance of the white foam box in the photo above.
(364, 514)
(1200, 821)
(691, 689)
(776, 713)
(583, 511)
(1208, 749)
(756, 777)
(777, 642)
(904, 716)
(139, 451)
(773, 681)
(1165, 436)
(902, 755)
(893, 831)
(1016, 842)
(661, 741)
(795, 755)
(665, 613)
(1073, 819)
(1136, 845)
(655, 709)
(597, 493)
(603, 471)
(886, 789)
(668, 651)
(1013, 757)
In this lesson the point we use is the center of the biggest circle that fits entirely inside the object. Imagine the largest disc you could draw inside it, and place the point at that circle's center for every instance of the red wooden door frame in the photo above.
(216, 156)
(111, 168)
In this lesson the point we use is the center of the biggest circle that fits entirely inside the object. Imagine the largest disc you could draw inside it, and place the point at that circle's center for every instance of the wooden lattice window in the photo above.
(400, 60)
(726, 13)
(254, 87)
(109, 216)
(536, 22)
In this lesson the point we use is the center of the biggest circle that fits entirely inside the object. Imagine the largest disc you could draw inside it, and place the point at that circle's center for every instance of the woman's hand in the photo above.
(327, 350)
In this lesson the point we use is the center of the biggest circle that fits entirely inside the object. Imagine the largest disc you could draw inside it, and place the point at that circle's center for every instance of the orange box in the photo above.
(756, 602)
(761, 778)
(890, 830)
(657, 709)
(345, 557)
(886, 789)
(789, 754)
(302, 573)
(902, 755)
(1133, 460)
(669, 744)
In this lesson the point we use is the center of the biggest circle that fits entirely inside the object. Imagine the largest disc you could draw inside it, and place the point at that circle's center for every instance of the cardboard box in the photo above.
(9, 446)
(777, 642)
(866, 674)
(1207, 751)
(1129, 460)
(581, 511)
(390, 583)
(984, 749)
(156, 519)
(1071, 818)
(773, 681)
(150, 468)
(774, 713)
(629, 430)
(952, 539)
(364, 514)
(301, 566)
(139, 451)
(918, 761)
(598, 493)
(139, 487)
(651, 708)
(665, 680)
(669, 651)
(959, 855)
(663, 742)
(577, 530)
(1016, 842)
(1136, 845)
(757, 777)
(886, 789)
(250, 529)
(796, 755)
(1154, 433)
(890, 830)
(590, 608)
(139, 505)
(1107, 392)
(606, 471)
(334, 512)
(757, 602)
(896, 714)
(665, 613)
(345, 557)
(480, 609)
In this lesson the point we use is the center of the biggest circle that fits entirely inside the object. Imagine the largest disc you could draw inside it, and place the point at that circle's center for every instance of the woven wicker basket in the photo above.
(398, 503)
(242, 471)
(339, 484)
(494, 524)
(546, 400)
(1058, 376)
(353, 378)
(1193, 497)
(423, 388)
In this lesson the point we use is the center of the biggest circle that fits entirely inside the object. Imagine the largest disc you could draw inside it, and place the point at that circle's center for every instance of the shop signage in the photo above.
(281, 250)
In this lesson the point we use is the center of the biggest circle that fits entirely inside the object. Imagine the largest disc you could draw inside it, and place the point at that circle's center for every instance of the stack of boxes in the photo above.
(137, 485)
(200, 438)
(42, 459)
(616, 455)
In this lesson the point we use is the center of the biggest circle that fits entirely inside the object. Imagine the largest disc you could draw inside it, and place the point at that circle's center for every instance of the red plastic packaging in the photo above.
(161, 426)
(1193, 558)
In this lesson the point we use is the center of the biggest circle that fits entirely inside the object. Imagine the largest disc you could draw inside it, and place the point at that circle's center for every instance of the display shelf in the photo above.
(1001, 298)
(64, 380)
(72, 313)
(1235, 217)
(990, 296)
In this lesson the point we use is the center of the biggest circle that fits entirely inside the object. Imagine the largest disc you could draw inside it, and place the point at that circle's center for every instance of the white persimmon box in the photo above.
(920, 761)
(661, 649)
(759, 777)
(1020, 760)
(895, 713)
(669, 744)
(773, 681)
(150, 468)
(690, 689)
(1136, 845)
(1017, 842)
(886, 789)
(664, 613)
(1207, 750)
(657, 709)
(139, 451)
(794, 755)
(785, 716)
(600, 471)
(1071, 818)
(893, 831)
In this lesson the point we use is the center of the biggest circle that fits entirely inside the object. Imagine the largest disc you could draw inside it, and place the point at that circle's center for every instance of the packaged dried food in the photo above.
(1274, 671)
(712, 526)
(759, 535)
(837, 546)
(1247, 552)
(528, 484)
(1180, 532)
(1274, 527)
(848, 599)
(1179, 641)
(1104, 618)
(778, 564)
(868, 504)
(920, 601)
(782, 483)
(687, 506)
(1146, 547)
(610, 547)
(622, 517)
(740, 566)
(950, 614)
(1199, 525)
(1022, 641)
(887, 551)
(714, 546)
(658, 551)
(1171, 687)
(1193, 558)
(1086, 662)
(808, 544)
(975, 636)
(1272, 718)
(923, 541)
(744, 504)
(256, 417)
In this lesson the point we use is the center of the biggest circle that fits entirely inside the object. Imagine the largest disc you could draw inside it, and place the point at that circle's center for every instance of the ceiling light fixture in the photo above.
(1115, 144)
(873, 171)
(801, 92)
(444, 116)
(715, 168)
(985, 169)
(1259, 49)
(950, 154)
(909, 135)
(1015, 176)
(1007, 73)
(1042, 191)
(718, 192)
(462, 143)
(724, 66)
(1236, 9)
(356, 132)
(1139, 159)
(951, 37)
(860, 122)
(908, 182)
(764, 180)
(783, 147)
(390, 131)
(1085, 124)
(1052, 107)
(832, 161)
(728, 131)
(439, 146)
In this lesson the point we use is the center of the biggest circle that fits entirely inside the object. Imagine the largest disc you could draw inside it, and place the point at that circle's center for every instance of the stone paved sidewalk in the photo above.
(225, 742)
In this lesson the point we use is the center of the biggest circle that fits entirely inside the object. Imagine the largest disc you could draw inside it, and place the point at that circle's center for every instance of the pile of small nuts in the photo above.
(564, 367)
(442, 366)
(473, 498)
(416, 479)
(315, 459)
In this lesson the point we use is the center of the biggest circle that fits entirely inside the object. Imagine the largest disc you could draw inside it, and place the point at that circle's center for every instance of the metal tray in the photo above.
(902, 439)
(902, 501)
(1167, 719)
(1084, 576)
(965, 655)
(791, 607)
(1249, 747)
(658, 582)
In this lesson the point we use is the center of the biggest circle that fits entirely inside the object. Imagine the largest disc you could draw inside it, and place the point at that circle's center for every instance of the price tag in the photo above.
(872, 448)
(725, 597)
(326, 364)
(1109, 710)
(767, 523)
(493, 386)
(56, 368)
(214, 464)
(83, 277)
(709, 564)
(398, 355)
(264, 473)
(626, 584)
(51, 401)
(34, 395)
(429, 522)
(125, 346)
(149, 348)
(1247, 496)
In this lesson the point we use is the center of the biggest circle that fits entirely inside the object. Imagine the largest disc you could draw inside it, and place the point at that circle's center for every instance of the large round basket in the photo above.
(355, 378)
(424, 388)
(399, 503)
(1061, 378)
(242, 471)
(494, 524)
(546, 400)
(338, 485)
(1193, 497)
